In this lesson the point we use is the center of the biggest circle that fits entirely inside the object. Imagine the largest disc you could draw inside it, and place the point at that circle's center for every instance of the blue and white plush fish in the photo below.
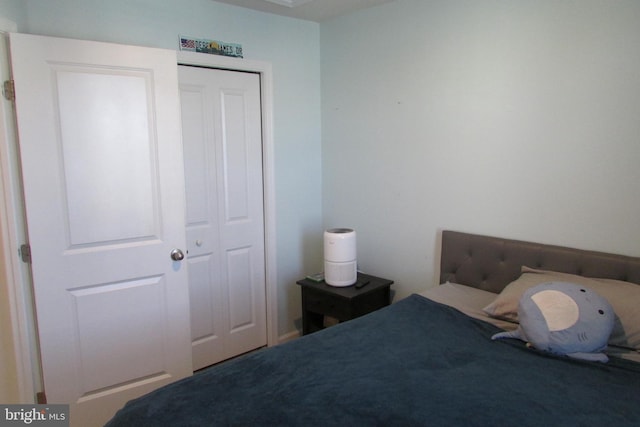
(564, 319)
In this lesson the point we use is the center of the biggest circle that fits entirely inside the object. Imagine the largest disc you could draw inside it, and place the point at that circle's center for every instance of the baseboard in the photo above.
(290, 336)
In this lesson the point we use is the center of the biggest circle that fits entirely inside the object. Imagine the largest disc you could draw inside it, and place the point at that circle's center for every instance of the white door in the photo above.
(222, 135)
(100, 142)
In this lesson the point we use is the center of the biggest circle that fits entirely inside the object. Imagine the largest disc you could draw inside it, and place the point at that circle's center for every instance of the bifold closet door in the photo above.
(222, 138)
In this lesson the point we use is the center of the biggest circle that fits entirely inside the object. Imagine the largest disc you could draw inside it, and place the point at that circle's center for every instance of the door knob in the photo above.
(177, 255)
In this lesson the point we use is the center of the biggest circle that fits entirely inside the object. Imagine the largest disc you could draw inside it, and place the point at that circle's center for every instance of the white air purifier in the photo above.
(340, 266)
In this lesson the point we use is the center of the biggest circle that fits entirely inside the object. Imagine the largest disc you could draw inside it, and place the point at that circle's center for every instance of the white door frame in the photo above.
(266, 94)
(16, 273)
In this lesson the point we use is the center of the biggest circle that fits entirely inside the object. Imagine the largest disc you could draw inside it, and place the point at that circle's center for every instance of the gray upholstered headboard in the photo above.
(491, 263)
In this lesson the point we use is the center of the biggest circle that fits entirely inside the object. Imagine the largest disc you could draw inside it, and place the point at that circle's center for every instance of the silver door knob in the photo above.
(177, 255)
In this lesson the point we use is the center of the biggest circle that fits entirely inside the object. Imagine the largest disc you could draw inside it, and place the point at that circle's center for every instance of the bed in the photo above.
(428, 359)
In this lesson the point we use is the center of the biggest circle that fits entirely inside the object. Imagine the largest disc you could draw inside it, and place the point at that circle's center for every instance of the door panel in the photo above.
(222, 136)
(107, 145)
(234, 146)
(111, 315)
(101, 153)
(206, 319)
(202, 218)
(240, 304)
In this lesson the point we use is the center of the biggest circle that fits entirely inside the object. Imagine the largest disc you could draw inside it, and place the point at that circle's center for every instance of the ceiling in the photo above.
(310, 10)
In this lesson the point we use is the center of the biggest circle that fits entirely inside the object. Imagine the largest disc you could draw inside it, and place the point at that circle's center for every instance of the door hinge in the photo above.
(41, 398)
(25, 253)
(9, 90)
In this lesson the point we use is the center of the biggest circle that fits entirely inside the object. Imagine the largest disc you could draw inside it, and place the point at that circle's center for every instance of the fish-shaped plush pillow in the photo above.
(564, 319)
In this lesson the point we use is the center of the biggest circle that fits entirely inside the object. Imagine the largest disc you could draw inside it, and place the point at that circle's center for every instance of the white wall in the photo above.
(290, 45)
(511, 118)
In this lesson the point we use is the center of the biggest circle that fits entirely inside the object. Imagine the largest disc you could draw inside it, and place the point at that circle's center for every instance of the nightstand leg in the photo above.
(311, 322)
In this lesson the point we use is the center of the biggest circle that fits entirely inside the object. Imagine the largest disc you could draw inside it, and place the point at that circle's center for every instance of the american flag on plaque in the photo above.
(215, 47)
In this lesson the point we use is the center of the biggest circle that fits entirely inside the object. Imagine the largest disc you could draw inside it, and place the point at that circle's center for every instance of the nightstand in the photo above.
(342, 303)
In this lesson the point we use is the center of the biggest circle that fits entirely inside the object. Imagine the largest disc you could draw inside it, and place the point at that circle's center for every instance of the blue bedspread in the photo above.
(414, 363)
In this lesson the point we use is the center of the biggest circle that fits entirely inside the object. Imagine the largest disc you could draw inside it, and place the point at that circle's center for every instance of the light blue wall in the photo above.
(510, 118)
(14, 11)
(290, 45)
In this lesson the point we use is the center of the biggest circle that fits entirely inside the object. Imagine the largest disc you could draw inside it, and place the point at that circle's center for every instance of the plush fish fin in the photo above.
(591, 357)
(512, 334)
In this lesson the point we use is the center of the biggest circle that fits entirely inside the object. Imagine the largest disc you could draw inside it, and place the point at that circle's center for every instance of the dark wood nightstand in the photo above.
(342, 303)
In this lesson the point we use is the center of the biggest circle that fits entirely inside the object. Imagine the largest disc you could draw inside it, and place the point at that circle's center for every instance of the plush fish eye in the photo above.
(582, 290)
(601, 311)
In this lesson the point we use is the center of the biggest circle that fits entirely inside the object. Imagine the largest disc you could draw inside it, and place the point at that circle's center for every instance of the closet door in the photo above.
(222, 137)
(102, 168)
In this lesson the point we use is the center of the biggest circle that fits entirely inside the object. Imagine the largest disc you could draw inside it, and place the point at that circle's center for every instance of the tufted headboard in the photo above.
(491, 263)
